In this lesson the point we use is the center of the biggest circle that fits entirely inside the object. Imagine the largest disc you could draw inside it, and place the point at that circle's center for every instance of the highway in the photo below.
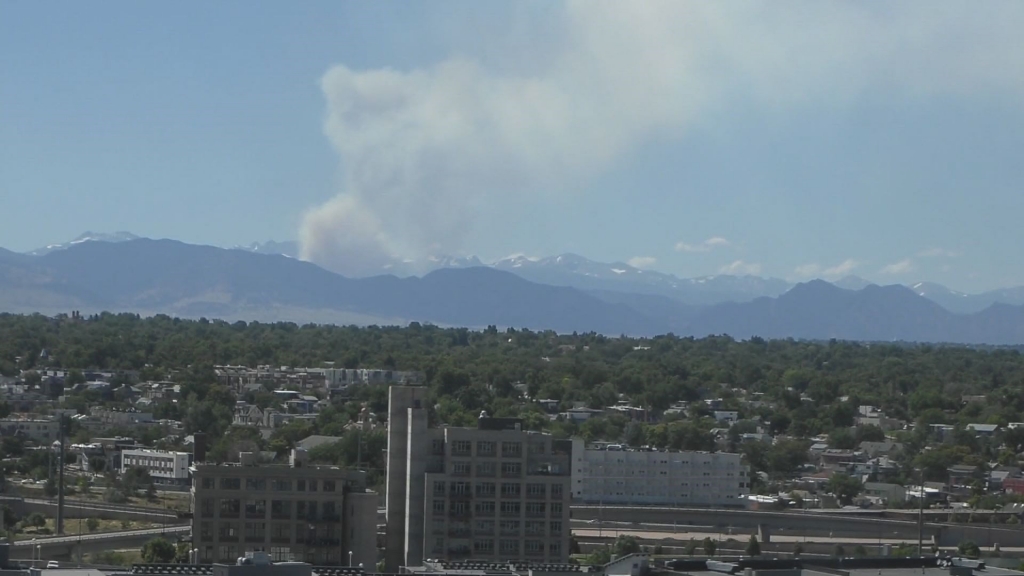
(103, 536)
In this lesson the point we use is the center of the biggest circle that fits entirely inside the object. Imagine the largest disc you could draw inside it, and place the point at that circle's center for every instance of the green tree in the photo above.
(35, 519)
(92, 524)
(599, 557)
(860, 551)
(691, 547)
(844, 487)
(798, 549)
(753, 546)
(709, 547)
(839, 551)
(158, 551)
(625, 545)
(969, 549)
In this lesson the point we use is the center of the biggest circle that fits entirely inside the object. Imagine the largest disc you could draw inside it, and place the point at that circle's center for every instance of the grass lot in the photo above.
(114, 557)
(177, 501)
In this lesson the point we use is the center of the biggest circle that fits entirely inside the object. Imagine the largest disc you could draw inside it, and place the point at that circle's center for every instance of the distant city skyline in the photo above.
(793, 141)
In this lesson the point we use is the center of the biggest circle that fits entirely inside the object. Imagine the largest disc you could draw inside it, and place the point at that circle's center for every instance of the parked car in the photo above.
(53, 564)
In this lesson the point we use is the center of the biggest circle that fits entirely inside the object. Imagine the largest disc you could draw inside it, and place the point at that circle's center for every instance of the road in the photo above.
(121, 534)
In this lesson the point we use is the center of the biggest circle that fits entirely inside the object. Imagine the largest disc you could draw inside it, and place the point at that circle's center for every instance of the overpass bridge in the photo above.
(65, 547)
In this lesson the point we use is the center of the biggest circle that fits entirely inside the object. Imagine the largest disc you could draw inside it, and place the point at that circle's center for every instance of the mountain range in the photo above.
(567, 293)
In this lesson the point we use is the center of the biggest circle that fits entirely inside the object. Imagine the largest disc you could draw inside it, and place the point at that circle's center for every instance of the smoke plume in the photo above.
(425, 152)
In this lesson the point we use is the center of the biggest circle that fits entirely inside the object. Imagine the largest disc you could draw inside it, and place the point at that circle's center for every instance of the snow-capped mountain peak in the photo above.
(84, 237)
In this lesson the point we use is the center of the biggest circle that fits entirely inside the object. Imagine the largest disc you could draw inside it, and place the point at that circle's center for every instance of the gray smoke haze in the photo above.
(425, 151)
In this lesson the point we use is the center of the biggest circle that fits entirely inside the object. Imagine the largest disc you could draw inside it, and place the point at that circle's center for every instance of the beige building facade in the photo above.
(493, 492)
(295, 512)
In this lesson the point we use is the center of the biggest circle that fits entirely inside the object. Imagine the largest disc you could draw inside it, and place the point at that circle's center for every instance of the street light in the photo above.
(350, 558)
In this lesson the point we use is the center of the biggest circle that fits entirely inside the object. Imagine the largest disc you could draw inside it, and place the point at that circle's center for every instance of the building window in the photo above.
(300, 485)
(536, 491)
(329, 485)
(227, 531)
(510, 509)
(485, 469)
(229, 508)
(460, 468)
(206, 508)
(462, 448)
(509, 527)
(205, 532)
(510, 490)
(437, 447)
(459, 509)
(485, 448)
(556, 509)
(227, 554)
(230, 484)
(255, 508)
(255, 531)
(281, 509)
(281, 486)
(556, 528)
(555, 549)
(511, 449)
(439, 488)
(485, 489)
(485, 526)
(281, 532)
(535, 528)
(438, 506)
(255, 484)
(461, 489)
(280, 553)
(536, 448)
(209, 483)
(536, 509)
(483, 547)
(534, 548)
(509, 548)
(556, 491)
(511, 469)
(484, 508)
(312, 485)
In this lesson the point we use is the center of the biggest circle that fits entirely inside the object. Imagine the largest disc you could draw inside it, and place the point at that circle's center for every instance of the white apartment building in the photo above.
(165, 467)
(619, 475)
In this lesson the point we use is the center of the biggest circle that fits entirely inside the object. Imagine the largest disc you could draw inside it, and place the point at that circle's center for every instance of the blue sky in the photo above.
(805, 138)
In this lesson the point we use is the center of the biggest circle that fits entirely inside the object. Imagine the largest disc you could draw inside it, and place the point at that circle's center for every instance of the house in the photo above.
(247, 415)
(876, 449)
(310, 442)
(726, 415)
(548, 405)
(941, 430)
(580, 414)
(962, 477)
(834, 457)
(1013, 485)
(983, 429)
(889, 494)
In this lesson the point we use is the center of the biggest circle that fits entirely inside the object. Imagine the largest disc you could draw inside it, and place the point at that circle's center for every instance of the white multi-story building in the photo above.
(616, 474)
(165, 467)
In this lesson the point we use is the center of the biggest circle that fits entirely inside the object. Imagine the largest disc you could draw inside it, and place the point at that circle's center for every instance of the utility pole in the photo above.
(60, 476)
(920, 515)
